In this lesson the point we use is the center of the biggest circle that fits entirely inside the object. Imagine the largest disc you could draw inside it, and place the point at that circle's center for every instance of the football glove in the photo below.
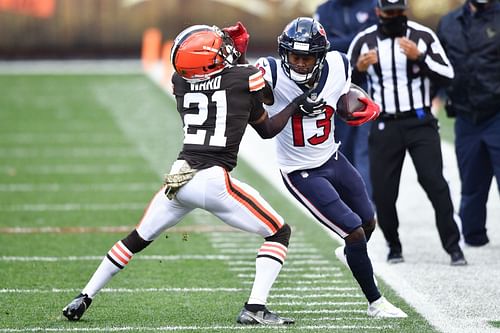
(308, 106)
(180, 174)
(239, 35)
(370, 112)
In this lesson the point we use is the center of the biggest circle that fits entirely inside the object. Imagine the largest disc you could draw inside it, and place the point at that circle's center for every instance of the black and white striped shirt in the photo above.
(397, 83)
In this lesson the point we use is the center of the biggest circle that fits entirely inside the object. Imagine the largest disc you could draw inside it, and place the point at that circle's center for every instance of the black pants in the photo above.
(389, 140)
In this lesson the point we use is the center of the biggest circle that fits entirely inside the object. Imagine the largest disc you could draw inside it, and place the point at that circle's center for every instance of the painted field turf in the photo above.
(80, 158)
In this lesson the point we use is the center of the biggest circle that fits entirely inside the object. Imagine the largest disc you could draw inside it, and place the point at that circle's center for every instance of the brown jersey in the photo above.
(215, 114)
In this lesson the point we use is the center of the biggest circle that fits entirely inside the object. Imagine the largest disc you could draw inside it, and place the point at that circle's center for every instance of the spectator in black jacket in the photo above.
(471, 38)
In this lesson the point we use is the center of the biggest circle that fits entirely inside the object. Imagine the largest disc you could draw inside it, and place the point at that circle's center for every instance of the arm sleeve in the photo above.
(353, 54)
(256, 85)
(435, 63)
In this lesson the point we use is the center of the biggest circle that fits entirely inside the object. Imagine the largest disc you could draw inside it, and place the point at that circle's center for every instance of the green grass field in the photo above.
(81, 156)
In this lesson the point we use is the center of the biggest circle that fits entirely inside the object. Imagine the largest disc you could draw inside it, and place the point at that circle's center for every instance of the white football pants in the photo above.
(234, 202)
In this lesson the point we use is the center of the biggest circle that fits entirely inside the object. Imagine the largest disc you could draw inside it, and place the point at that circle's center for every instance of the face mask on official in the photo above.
(480, 4)
(393, 26)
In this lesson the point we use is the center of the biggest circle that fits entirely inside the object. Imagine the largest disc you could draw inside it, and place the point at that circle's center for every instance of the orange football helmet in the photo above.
(201, 51)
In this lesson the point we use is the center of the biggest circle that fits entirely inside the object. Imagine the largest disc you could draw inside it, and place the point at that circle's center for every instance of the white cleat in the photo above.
(340, 254)
(381, 308)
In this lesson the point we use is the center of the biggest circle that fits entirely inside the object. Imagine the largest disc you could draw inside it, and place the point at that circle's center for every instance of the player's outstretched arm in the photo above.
(268, 127)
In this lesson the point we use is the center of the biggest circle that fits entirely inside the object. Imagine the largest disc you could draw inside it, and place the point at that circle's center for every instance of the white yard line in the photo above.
(71, 207)
(289, 291)
(98, 258)
(116, 229)
(214, 328)
(78, 169)
(289, 269)
(80, 152)
(75, 187)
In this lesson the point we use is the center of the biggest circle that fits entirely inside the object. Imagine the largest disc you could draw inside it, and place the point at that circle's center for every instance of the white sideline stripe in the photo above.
(325, 311)
(121, 290)
(62, 230)
(297, 256)
(293, 250)
(290, 261)
(308, 304)
(167, 290)
(222, 246)
(111, 229)
(289, 269)
(221, 239)
(56, 187)
(329, 295)
(61, 138)
(66, 152)
(338, 319)
(79, 169)
(71, 207)
(305, 282)
(139, 257)
(91, 258)
(186, 328)
(304, 276)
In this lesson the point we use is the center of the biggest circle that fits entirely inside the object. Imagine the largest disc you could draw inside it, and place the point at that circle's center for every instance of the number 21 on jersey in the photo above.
(198, 136)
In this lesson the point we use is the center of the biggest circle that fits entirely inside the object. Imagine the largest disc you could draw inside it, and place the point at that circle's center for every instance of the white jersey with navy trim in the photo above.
(306, 142)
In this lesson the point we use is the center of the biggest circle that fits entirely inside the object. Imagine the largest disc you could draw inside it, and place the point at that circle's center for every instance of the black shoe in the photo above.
(477, 243)
(75, 310)
(264, 317)
(395, 257)
(457, 258)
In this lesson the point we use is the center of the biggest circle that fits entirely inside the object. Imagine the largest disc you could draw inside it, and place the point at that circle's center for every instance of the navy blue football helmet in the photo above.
(303, 36)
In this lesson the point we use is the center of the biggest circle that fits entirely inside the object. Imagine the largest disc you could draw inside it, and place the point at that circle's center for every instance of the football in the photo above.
(350, 103)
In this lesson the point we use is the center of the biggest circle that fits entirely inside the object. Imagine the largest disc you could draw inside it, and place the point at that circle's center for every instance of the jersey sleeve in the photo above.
(347, 73)
(256, 85)
(265, 67)
(256, 81)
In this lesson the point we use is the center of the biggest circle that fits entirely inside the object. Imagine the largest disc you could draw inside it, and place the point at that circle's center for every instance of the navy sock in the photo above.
(362, 270)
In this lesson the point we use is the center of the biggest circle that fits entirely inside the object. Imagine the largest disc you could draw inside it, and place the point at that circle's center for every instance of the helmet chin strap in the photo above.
(300, 78)
(308, 77)
(310, 80)
(314, 79)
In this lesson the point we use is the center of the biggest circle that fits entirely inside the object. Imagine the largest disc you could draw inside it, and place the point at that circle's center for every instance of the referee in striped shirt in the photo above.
(402, 61)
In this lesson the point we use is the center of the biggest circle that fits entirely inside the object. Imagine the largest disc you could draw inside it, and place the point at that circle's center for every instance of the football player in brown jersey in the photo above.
(216, 98)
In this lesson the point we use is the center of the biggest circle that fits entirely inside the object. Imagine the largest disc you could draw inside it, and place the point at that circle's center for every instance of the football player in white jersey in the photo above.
(216, 100)
(312, 167)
